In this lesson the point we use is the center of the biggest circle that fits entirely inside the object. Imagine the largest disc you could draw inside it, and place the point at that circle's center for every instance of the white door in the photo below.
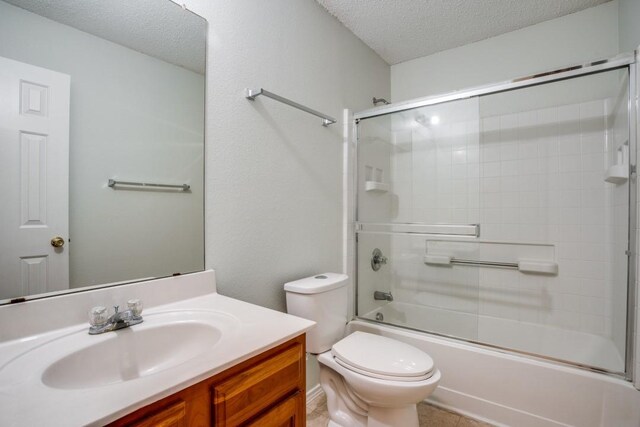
(34, 179)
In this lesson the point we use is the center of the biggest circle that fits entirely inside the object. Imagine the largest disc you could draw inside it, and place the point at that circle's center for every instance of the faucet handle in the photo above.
(135, 305)
(98, 316)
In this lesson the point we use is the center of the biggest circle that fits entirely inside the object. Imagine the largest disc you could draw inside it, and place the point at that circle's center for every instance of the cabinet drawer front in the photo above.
(253, 390)
(289, 413)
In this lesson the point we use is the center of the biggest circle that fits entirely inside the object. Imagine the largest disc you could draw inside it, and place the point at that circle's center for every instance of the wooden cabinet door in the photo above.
(289, 413)
(251, 391)
(188, 408)
(170, 416)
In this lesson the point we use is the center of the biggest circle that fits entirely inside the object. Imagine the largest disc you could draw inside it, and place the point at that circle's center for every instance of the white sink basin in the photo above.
(129, 354)
(162, 342)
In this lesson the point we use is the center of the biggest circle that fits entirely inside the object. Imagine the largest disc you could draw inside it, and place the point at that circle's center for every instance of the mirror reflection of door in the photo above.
(134, 112)
(34, 171)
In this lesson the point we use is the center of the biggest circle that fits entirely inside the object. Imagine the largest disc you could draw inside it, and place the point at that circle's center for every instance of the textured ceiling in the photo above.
(400, 30)
(158, 28)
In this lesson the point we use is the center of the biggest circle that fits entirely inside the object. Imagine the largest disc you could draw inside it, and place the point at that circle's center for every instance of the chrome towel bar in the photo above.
(252, 94)
(112, 183)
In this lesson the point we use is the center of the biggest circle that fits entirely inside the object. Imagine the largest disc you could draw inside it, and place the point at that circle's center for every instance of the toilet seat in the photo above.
(379, 392)
(383, 358)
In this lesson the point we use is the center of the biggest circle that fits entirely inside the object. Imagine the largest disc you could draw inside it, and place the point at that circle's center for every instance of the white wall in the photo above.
(273, 173)
(582, 36)
(629, 12)
(133, 117)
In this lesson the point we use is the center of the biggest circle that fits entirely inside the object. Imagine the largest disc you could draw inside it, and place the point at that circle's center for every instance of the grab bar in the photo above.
(524, 266)
(467, 230)
(512, 265)
(252, 94)
(112, 183)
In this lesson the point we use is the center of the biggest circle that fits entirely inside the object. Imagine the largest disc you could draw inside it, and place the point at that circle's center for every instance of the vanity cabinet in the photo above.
(266, 390)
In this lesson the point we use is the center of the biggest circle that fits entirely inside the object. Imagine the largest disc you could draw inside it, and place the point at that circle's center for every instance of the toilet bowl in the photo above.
(383, 397)
(369, 380)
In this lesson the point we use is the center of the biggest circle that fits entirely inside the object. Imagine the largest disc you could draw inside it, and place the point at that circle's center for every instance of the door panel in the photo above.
(34, 169)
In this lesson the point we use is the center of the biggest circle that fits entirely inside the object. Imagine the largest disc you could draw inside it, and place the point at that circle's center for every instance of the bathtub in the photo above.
(511, 390)
(531, 338)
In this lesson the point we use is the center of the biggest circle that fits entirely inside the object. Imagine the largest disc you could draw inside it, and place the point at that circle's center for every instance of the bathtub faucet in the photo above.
(382, 296)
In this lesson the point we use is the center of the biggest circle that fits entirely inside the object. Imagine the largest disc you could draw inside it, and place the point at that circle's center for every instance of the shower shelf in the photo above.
(619, 172)
(375, 186)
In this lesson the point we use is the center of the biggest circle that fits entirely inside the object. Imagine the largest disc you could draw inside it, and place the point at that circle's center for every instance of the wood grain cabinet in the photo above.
(266, 390)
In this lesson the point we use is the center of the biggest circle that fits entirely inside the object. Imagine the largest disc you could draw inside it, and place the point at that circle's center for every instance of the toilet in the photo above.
(369, 380)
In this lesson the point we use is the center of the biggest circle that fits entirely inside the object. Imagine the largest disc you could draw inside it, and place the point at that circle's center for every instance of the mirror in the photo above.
(101, 143)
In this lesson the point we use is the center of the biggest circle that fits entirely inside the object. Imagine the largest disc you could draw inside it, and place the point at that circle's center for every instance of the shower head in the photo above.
(427, 121)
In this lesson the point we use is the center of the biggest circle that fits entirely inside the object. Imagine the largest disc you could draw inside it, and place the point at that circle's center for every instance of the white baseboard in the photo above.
(314, 393)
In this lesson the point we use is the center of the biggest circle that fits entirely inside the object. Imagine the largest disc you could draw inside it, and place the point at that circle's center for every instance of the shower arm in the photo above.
(377, 101)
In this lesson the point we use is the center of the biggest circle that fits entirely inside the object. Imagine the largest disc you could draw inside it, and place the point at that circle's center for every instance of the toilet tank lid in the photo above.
(317, 284)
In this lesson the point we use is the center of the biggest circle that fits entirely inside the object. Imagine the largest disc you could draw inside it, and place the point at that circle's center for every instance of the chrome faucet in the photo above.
(377, 259)
(382, 296)
(119, 320)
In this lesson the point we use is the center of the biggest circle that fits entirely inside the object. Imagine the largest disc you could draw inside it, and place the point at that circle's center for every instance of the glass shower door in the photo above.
(502, 219)
(426, 162)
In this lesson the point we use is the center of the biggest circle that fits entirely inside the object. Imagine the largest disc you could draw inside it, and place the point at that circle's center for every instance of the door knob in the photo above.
(57, 242)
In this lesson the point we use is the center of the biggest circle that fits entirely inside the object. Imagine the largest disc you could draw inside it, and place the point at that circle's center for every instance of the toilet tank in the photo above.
(323, 299)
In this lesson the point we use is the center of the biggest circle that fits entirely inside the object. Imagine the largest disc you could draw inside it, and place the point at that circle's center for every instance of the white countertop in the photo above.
(26, 401)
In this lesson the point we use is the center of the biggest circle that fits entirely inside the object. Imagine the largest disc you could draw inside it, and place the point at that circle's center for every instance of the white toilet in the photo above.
(369, 380)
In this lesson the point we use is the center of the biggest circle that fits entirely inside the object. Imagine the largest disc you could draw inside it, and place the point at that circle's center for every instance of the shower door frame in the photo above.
(622, 61)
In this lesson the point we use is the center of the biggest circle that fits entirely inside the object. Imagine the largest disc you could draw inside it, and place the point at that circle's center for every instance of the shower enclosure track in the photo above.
(565, 73)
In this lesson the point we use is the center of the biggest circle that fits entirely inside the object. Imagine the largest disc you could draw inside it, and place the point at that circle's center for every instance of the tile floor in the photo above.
(429, 416)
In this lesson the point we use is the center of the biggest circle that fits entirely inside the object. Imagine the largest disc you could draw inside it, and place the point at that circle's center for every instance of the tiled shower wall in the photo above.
(530, 177)
(435, 166)
(542, 181)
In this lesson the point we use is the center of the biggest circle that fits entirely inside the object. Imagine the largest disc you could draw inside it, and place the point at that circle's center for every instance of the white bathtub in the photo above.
(556, 343)
(509, 390)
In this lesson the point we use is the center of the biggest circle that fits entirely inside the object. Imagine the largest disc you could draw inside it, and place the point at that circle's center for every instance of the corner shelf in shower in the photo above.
(376, 187)
(619, 172)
